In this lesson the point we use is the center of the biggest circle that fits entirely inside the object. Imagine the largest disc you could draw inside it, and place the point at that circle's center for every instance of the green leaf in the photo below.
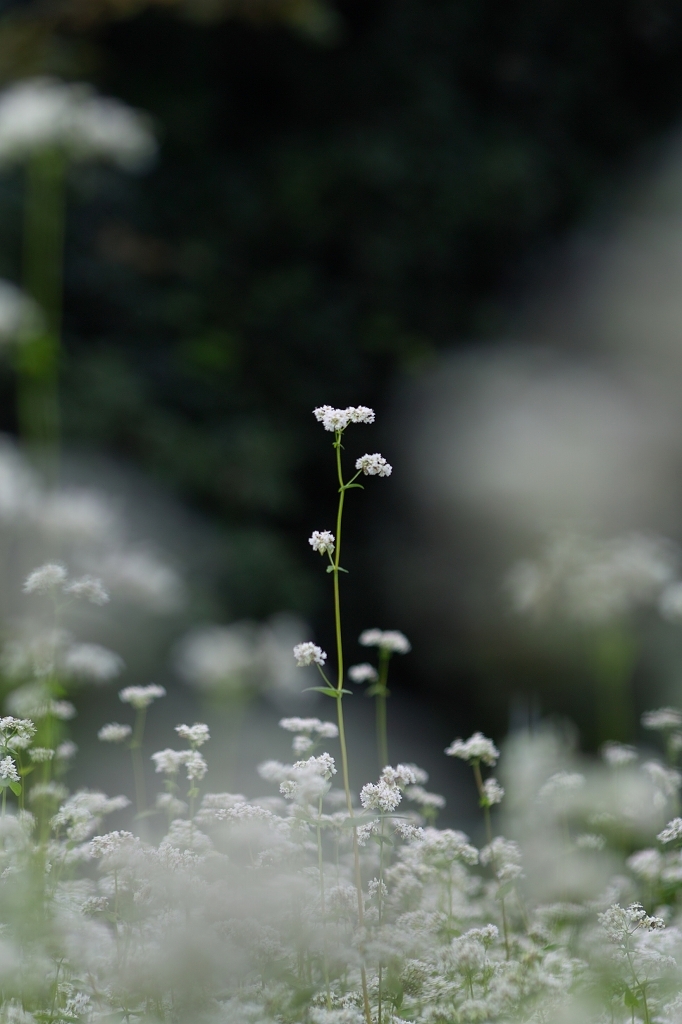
(348, 486)
(330, 568)
(15, 787)
(330, 691)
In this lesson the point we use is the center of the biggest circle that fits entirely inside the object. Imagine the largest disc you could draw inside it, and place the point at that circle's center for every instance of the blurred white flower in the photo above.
(45, 579)
(114, 733)
(662, 719)
(93, 662)
(196, 734)
(140, 697)
(364, 673)
(89, 588)
(44, 114)
(477, 748)
(20, 317)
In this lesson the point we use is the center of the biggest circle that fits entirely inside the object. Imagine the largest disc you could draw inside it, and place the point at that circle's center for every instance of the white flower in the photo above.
(16, 733)
(61, 709)
(114, 733)
(671, 832)
(90, 588)
(617, 754)
(228, 657)
(92, 661)
(477, 748)
(647, 864)
(561, 784)
(47, 577)
(374, 465)
(326, 730)
(364, 673)
(66, 750)
(308, 653)
(662, 719)
(141, 696)
(418, 795)
(196, 734)
(42, 114)
(666, 780)
(493, 792)
(8, 769)
(195, 765)
(391, 640)
(361, 414)
(386, 794)
(40, 754)
(168, 762)
(338, 419)
(322, 541)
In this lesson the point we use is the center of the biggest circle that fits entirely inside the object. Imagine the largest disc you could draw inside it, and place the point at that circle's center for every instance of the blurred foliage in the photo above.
(342, 190)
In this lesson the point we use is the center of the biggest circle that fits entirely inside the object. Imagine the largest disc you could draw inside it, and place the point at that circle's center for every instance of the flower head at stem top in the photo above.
(322, 541)
(308, 654)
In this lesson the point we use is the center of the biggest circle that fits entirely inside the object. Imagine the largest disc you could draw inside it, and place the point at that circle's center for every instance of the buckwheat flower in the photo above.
(590, 841)
(195, 765)
(168, 762)
(171, 805)
(322, 541)
(408, 831)
(375, 887)
(140, 697)
(61, 709)
(418, 795)
(196, 734)
(8, 769)
(666, 780)
(323, 764)
(66, 750)
(89, 588)
(112, 842)
(391, 640)
(20, 316)
(477, 748)
(334, 420)
(364, 673)
(380, 796)
(402, 775)
(308, 653)
(40, 754)
(493, 792)
(16, 733)
(326, 730)
(94, 662)
(504, 856)
(42, 113)
(302, 744)
(662, 719)
(646, 864)
(361, 414)
(114, 733)
(671, 832)
(618, 754)
(561, 783)
(46, 578)
(374, 465)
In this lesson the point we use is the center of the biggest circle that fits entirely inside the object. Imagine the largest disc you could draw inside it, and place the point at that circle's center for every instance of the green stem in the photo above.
(380, 705)
(339, 706)
(320, 868)
(38, 356)
(136, 755)
(481, 792)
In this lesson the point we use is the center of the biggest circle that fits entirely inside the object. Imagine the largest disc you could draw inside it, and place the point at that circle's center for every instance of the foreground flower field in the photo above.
(317, 905)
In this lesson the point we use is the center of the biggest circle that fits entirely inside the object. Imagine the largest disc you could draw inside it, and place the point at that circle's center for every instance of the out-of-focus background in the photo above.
(464, 215)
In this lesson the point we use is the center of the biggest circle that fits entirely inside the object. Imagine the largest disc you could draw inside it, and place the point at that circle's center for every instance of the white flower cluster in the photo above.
(363, 673)
(140, 697)
(477, 748)
(114, 733)
(309, 654)
(336, 420)
(44, 114)
(386, 794)
(322, 541)
(390, 640)
(52, 576)
(374, 465)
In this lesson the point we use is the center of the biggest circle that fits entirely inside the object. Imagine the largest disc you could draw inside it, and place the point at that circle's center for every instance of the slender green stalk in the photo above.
(37, 359)
(381, 693)
(320, 868)
(484, 802)
(136, 755)
(339, 707)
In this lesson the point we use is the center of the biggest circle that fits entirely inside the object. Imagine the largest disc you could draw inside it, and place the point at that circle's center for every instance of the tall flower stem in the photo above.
(37, 359)
(339, 706)
(381, 693)
(136, 755)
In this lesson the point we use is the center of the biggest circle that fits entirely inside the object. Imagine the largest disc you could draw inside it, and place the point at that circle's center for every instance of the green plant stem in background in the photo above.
(37, 359)
(136, 755)
(381, 693)
(339, 706)
(483, 800)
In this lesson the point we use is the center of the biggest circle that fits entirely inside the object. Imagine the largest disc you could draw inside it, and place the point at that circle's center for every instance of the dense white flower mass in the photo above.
(45, 579)
(493, 792)
(308, 654)
(374, 465)
(662, 719)
(8, 769)
(44, 114)
(322, 541)
(391, 640)
(141, 696)
(363, 673)
(196, 734)
(336, 420)
(114, 733)
(618, 754)
(93, 662)
(477, 748)
(90, 588)
(325, 730)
